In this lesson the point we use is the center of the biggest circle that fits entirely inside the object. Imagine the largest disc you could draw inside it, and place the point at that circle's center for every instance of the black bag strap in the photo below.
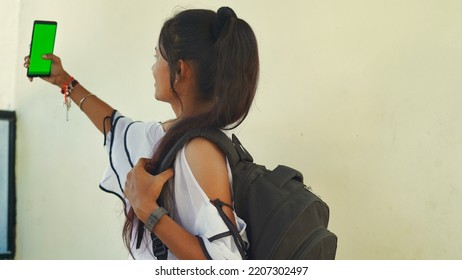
(158, 248)
(233, 149)
(232, 228)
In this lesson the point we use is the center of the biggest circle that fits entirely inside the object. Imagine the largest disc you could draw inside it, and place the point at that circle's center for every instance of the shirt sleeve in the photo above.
(126, 143)
(195, 213)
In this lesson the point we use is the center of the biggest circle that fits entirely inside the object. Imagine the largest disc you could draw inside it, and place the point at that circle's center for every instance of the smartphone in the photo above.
(43, 42)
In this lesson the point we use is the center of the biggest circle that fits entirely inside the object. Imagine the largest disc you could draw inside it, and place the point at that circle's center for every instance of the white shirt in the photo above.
(129, 141)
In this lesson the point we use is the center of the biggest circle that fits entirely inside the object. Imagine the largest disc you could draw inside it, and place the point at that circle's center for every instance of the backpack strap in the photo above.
(233, 149)
(232, 228)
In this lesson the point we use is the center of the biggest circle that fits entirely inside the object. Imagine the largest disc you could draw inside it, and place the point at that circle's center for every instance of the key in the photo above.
(67, 103)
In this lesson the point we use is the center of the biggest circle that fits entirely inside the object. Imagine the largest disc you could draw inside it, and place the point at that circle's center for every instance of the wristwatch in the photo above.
(154, 218)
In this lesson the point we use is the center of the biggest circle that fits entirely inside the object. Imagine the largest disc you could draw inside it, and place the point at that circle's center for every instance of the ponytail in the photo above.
(237, 67)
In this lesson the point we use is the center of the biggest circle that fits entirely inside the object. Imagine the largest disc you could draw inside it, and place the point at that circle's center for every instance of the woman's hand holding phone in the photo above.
(58, 75)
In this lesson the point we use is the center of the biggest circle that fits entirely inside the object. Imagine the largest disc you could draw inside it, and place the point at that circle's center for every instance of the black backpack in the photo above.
(285, 220)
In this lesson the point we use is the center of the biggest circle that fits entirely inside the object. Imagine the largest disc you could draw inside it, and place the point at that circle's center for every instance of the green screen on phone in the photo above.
(43, 41)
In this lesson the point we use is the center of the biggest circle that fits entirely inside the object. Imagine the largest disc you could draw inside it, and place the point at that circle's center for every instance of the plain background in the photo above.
(363, 97)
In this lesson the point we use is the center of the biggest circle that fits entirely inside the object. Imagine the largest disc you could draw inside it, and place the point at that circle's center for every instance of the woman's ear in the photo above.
(178, 70)
(183, 71)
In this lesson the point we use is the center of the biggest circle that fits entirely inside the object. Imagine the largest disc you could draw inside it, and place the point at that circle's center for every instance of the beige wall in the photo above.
(361, 96)
(9, 17)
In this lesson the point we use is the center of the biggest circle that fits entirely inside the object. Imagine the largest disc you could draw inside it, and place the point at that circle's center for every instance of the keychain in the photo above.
(66, 90)
(67, 102)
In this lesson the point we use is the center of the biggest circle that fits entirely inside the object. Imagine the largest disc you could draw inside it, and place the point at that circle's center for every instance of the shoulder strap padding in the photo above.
(233, 150)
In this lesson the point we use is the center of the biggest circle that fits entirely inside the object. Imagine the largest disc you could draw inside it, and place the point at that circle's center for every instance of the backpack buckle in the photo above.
(158, 248)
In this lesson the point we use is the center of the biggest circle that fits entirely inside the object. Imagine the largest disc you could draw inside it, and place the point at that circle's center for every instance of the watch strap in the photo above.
(154, 218)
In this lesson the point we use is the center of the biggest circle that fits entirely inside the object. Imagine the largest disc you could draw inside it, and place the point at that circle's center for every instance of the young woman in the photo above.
(207, 69)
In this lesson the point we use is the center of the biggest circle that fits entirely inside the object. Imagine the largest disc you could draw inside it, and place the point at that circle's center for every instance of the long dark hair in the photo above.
(222, 50)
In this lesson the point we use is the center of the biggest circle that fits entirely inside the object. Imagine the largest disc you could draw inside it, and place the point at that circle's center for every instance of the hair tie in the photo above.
(222, 17)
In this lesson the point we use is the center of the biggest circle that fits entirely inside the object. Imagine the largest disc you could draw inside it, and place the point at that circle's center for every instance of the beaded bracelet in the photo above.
(66, 84)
